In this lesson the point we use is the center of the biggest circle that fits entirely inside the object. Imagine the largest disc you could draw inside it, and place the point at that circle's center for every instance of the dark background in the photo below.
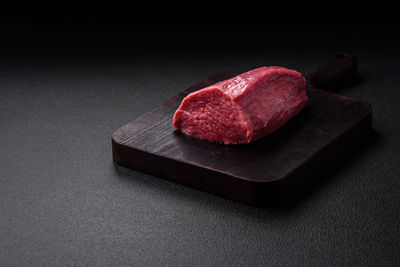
(69, 79)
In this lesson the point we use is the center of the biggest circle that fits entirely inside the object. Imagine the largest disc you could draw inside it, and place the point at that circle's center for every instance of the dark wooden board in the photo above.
(268, 170)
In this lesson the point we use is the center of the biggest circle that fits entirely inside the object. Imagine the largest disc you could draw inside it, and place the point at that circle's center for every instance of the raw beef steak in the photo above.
(244, 108)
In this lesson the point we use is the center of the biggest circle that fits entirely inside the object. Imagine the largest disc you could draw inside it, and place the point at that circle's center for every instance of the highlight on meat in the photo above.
(244, 108)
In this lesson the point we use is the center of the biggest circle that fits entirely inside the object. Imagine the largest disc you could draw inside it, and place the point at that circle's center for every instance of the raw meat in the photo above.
(244, 108)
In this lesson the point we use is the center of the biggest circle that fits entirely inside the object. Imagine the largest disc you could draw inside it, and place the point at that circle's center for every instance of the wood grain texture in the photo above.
(269, 170)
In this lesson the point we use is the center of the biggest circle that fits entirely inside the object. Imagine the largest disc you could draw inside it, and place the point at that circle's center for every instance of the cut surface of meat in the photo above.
(244, 108)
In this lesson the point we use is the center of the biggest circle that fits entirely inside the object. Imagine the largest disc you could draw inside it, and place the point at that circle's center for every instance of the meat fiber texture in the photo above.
(244, 108)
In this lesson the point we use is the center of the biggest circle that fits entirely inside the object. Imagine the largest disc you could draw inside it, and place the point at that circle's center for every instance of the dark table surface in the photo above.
(64, 202)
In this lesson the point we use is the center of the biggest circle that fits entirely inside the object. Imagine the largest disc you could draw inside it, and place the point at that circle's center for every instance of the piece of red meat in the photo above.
(244, 108)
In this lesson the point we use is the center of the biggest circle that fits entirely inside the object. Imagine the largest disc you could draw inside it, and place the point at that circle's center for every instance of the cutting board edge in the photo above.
(194, 176)
(252, 192)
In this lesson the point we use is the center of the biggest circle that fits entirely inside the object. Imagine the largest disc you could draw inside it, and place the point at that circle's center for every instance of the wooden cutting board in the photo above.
(267, 171)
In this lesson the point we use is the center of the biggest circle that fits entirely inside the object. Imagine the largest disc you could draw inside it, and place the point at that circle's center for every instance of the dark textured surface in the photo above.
(64, 202)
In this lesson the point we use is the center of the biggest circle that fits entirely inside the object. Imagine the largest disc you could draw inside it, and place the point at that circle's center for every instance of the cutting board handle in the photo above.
(337, 71)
